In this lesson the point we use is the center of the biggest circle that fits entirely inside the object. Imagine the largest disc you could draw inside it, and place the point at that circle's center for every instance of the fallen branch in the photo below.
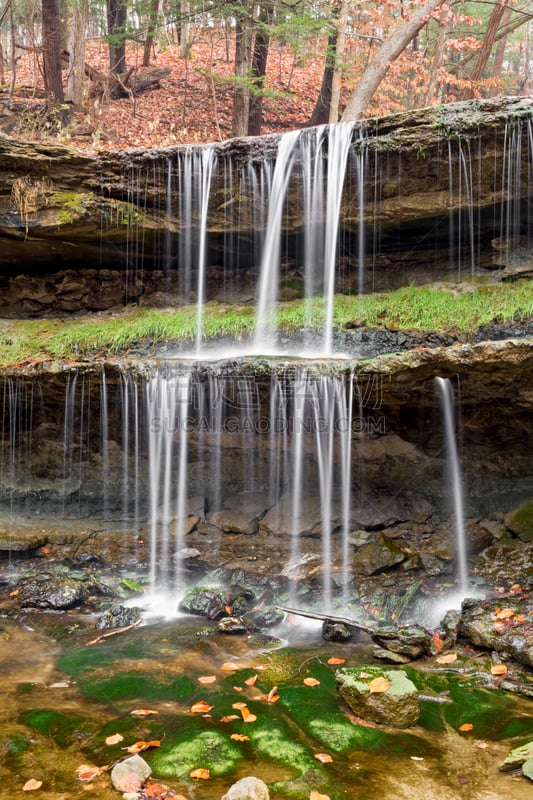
(115, 632)
(328, 617)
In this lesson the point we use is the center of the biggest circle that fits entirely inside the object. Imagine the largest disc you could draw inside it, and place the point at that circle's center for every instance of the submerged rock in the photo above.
(130, 774)
(397, 706)
(247, 789)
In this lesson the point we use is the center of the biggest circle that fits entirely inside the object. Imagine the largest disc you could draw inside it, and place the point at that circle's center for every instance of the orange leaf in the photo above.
(239, 705)
(449, 658)
(201, 707)
(271, 697)
(311, 682)
(228, 609)
(245, 711)
(32, 784)
(138, 747)
(200, 773)
(229, 718)
(498, 669)
(207, 678)
(315, 795)
(142, 712)
(334, 660)
(240, 737)
(260, 667)
(504, 613)
(467, 726)
(378, 685)
(324, 758)
(519, 618)
(237, 688)
(437, 642)
(229, 666)
(251, 681)
(14, 593)
(115, 739)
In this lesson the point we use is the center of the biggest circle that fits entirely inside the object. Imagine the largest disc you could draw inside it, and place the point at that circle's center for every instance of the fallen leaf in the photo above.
(481, 744)
(363, 675)
(504, 613)
(416, 758)
(228, 610)
(437, 642)
(199, 773)
(31, 785)
(498, 669)
(201, 707)
(14, 593)
(271, 697)
(207, 678)
(247, 715)
(237, 688)
(114, 739)
(87, 773)
(378, 685)
(324, 758)
(519, 618)
(138, 747)
(229, 666)
(240, 737)
(311, 682)
(229, 718)
(334, 660)
(448, 658)
(260, 667)
(239, 705)
(315, 795)
(142, 712)
(466, 726)
(251, 681)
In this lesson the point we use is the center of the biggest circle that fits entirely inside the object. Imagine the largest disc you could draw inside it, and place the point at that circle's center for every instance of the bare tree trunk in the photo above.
(53, 85)
(76, 49)
(388, 52)
(185, 29)
(320, 113)
(116, 25)
(436, 61)
(13, 80)
(499, 55)
(243, 49)
(340, 24)
(258, 70)
(152, 24)
(485, 50)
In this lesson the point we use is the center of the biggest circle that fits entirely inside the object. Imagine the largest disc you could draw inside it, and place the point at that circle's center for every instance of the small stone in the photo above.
(247, 789)
(336, 631)
(129, 775)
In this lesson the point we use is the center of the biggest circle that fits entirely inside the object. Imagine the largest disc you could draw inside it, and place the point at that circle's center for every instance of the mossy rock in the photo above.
(192, 747)
(64, 729)
(517, 757)
(396, 707)
(520, 521)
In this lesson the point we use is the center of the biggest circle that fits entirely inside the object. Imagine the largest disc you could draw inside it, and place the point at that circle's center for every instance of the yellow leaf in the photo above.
(251, 681)
(201, 707)
(207, 678)
(115, 739)
(378, 685)
(311, 682)
(324, 758)
(498, 669)
(334, 660)
(200, 773)
(448, 658)
(32, 784)
(240, 737)
(142, 712)
(467, 726)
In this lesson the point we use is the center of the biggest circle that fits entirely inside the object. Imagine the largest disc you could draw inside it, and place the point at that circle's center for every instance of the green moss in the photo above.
(62, 728)
(133, 686)
(65, 218)
(191, 747)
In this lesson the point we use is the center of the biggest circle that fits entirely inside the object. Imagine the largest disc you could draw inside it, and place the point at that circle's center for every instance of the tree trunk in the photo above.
(340, 24)
(436, 61)
(258, 70)
(499, 55)
(116, 32)
(243, 49)
(53, 85)
(150, 31)
(388, 52)
(320, 113)
(185, 28)
(486, 48)
(76, 49)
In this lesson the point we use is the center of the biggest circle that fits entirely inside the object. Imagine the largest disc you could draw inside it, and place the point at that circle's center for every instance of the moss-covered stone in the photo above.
(520, 521)
(397, 706)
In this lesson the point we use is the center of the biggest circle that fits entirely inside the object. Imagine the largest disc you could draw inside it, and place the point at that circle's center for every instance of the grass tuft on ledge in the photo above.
(443, 308)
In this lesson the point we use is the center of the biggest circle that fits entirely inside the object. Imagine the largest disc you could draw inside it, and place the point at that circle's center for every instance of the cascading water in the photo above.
(446, 395)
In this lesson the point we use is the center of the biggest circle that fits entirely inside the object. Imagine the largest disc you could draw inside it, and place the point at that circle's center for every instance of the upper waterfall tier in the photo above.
(411, 197)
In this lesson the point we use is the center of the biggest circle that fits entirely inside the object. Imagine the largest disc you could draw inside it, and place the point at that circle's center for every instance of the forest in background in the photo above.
(116, 73)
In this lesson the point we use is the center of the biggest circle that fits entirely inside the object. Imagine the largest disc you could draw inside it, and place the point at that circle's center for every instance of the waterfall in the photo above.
(445, 390)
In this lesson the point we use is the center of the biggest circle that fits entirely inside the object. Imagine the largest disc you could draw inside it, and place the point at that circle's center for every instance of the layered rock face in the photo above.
(446, 188)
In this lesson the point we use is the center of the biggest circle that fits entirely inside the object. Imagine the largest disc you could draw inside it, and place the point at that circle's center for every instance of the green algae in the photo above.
(188, 746)
(134, 685)
(64, 729)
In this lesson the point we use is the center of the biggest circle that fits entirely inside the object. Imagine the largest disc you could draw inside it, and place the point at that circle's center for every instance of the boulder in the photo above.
(333, 631)
(381, 554)
(397, 707)
(410, 642)
(20, 540)
(130, 774)
(520, 521)
(517, 757)
(501, 625)
(51, 591)
(247, 789)
(206, 601)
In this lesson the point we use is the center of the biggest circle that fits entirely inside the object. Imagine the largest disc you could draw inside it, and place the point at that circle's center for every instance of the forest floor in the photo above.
(193, 103)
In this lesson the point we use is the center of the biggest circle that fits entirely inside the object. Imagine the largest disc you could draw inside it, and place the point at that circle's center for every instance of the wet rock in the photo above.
(517, 757)
(240, 598)
(21, 540)
(483, 625)
(183, 527)
(381, 554)
(479, 537)
(397, 706)
(233, 521)
(391, 658)
(247, 789)
(280, 518)
(527, 769)
(265, 618)
(451, 624)
(206, 601)
(51, 591)
(336, 631)
(411, 641)
(520, 521)
(129, 775)
(118, 617)
(232, 625)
